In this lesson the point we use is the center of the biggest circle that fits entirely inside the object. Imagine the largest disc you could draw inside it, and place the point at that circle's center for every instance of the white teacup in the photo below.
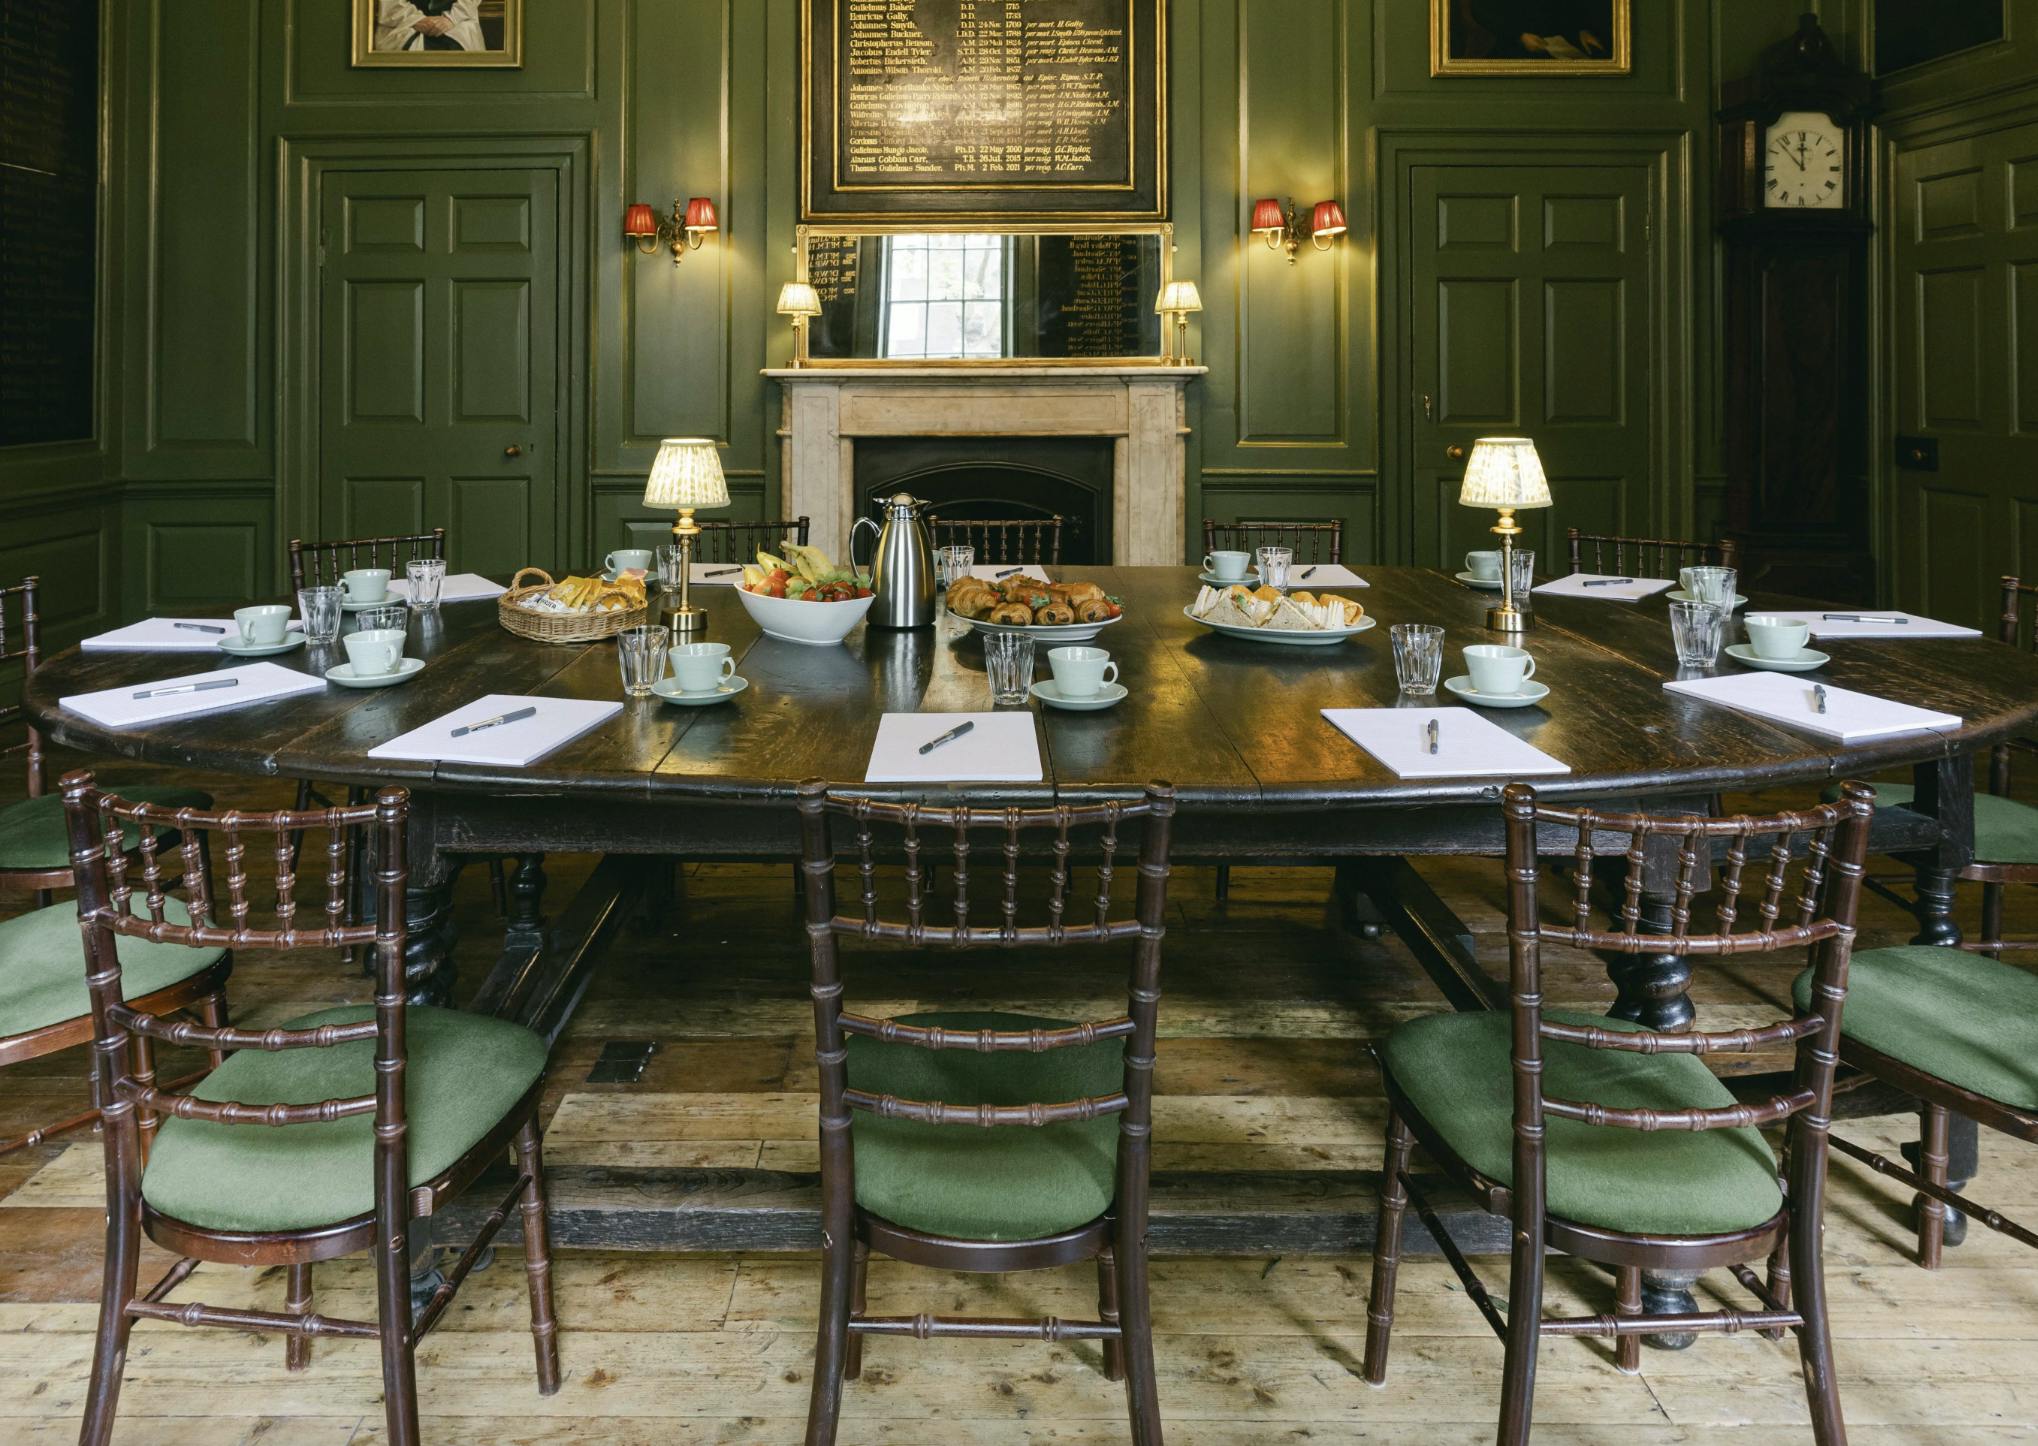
(1227, 565)
(263, 626)
(702, 667)
(1498, 669)
(365, 584)
(625, 558)
(1778, 639)
(1081, 672)
(1483, 565)
(374, 652)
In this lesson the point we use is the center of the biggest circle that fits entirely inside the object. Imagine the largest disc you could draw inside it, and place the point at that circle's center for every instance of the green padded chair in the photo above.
(322, 1137)
(1618, 1144)
(985, 1141)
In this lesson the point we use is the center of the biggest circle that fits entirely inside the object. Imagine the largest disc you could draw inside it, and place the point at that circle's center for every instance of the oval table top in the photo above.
(1225, 720)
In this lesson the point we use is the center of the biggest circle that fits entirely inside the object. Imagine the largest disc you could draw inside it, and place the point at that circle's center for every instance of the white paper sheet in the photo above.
(1468, 745)
(1002, 748)
(1000, 571)
(161, 635)
(557, 722)
(458, 587)
(1917, 627)
(1322, 575)
(259, 683)
(1574, 586)
(1850, 717)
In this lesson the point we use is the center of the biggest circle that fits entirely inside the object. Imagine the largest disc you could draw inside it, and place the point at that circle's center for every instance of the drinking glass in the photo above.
(1713, 585)
(319, 608)
(427, 577)
(1008, 663)
(1524, 573)
(388, 615)
(1696, 628)
(1274, 563)
(1418, 656)
(668, 565)
(640, 654)
(952, 564)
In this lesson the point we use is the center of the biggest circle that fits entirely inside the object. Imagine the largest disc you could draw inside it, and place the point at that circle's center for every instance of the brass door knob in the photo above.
(1455, 453)
(513, 450)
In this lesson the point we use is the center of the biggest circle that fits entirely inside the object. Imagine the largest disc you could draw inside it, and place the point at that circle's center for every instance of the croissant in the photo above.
(971, 597)
(1054, 614)
(1015, 613)
(1093, 610)
(1078, 592)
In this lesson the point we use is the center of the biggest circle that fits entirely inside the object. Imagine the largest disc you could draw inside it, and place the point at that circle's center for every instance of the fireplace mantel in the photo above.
(1141, 408)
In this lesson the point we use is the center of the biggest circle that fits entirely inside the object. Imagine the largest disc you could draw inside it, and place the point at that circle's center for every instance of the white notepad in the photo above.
(1844, 627)
(1850, 717)
(1002, 748)
(1322, 575)
(458, 587)
(557, 722)
(161, 635)
(259, 683)
(1002, 571)
(1468, 746)
(1574, 586)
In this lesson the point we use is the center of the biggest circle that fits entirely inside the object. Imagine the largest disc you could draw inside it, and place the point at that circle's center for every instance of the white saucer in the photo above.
(1047, 692)
(239, 649)
(668, 689)
(406, 669)
(1531, 692)
(1678, 594)
(387, 600)
(1249, 578)
(1487, 584)
(1805, 662)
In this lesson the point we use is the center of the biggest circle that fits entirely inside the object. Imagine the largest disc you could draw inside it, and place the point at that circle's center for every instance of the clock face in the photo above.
(1803, 163)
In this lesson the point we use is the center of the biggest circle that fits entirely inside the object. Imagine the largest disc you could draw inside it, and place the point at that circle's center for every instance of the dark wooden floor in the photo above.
(716, 1348)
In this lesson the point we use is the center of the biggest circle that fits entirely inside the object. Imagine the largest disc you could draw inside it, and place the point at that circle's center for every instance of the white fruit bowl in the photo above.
(794, 620)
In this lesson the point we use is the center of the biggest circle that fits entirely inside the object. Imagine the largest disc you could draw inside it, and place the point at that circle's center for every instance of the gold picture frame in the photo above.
(479, 34)
(1462, 42)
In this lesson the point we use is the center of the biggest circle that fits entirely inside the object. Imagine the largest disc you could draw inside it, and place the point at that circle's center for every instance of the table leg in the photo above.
(1945, 792)
(526, 927)
(428, 912)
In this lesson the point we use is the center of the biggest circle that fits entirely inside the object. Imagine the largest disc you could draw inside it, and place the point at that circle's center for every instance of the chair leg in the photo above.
(146, 1122)
(1814, 1338)
(1627, 1300)
(831, 1345)
(123, 1256)
(1135, 1315)
(297, 1301)
(1524, 1334)
(212, 1014)
(859, 1283)
(1387, 1250)
(1223, 883)
(1992, 915)
(1107, 1312)
(398, 1337)
(1779, 1275)
(538, 1257)
(1933, 1125)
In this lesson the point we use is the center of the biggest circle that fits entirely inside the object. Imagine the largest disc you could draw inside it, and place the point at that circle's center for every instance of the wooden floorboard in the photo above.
(1263, 1076)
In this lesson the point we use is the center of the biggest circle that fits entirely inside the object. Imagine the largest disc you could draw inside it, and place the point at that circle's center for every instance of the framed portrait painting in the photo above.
(439, 33)
(1528, 37)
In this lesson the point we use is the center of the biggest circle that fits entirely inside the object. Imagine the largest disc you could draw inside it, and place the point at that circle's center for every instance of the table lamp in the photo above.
(687, 474)
(1177, 300)
(1505, 473)
(799, 300)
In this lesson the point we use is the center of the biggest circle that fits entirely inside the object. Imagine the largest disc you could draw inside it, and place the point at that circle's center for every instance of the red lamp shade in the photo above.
(700, 215)
(1267, 216)
(1330, 219)
(640, 220)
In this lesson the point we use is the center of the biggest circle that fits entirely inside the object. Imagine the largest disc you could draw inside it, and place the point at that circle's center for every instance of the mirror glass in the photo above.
(985, 296)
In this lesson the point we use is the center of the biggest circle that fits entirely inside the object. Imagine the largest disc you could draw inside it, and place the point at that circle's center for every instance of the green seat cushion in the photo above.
(1454, 1070)
(42, 965)
(1006, 1183)
(2005, 831)
(464, 1073)
(33, 834)
(1969, 1019)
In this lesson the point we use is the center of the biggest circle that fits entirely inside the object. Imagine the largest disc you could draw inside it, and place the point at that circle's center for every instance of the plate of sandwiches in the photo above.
(1053, 612)
(1297, 619)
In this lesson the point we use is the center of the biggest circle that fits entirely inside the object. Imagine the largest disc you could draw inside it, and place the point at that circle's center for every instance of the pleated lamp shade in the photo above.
(1504, 472)
(640, 220)
(700, 215)
(687, 474)
(1329, 220)
(1267, 216)
(797, 298)
(1179, 296)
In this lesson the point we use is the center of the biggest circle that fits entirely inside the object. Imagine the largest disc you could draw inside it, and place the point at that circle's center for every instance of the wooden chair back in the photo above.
(2017, 630)
(742, 541)
(1651, 556)
(320, 564)
(1035, 540)
(20, 641)
(1310, 541)
(1070, 916)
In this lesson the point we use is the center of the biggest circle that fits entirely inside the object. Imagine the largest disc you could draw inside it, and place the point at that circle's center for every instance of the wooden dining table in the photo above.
(1234, 725)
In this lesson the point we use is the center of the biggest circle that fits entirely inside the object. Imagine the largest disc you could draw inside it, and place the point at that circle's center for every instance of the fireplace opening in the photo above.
(968, 478)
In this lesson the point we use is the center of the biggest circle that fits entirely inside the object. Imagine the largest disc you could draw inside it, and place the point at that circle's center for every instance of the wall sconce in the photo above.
(799, 301)
(1176, 301)
(683, 231)
(1282, 230)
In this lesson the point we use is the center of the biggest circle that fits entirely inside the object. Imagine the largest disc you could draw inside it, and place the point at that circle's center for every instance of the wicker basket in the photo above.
(558, 627)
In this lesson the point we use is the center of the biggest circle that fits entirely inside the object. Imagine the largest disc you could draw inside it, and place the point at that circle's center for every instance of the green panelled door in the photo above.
(438, 361)
(1531, 302)
(1966, 342)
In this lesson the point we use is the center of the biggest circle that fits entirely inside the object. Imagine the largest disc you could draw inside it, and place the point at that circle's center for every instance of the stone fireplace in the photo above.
(832, 414)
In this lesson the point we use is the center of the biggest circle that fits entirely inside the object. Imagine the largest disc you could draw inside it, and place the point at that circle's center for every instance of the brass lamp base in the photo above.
(685, 620)
(1504, 616)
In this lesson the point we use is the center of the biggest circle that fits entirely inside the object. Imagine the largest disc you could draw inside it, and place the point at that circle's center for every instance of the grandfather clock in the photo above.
(1793, 212)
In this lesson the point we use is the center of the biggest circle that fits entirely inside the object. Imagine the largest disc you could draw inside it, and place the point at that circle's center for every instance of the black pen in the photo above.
(721, 572)
(1818, 698)
(949, 737)
(1307, 573)
(205, 687)
(515, 716)
(1010, 572)
(1431, 730)
(1858, 618)
(1605, 581)
(198, 627)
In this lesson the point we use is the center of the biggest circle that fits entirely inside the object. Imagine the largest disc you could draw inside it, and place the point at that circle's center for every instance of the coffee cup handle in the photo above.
(345, 591)
(1111, 671)
(728, 669)
(1531, 672)
(247, 632)
(1209, 562)
(608, 563)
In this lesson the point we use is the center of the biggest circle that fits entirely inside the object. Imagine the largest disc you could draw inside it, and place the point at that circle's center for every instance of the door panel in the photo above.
(439, 360)
(1966, 341)
(1538, 329)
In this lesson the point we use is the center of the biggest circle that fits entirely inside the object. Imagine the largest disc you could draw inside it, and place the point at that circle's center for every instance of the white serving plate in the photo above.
(1321, 639)
(1053, 634)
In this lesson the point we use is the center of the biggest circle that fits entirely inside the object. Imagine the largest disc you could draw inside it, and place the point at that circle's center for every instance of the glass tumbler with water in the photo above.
(390, 615)
(1008, 663)
(1696, 628)
(1274, 565)
(1524, 575)
(319, 609)
(426, 577)
(640, 654)
(1418, 656)
(1713, 585)
(952, 564)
